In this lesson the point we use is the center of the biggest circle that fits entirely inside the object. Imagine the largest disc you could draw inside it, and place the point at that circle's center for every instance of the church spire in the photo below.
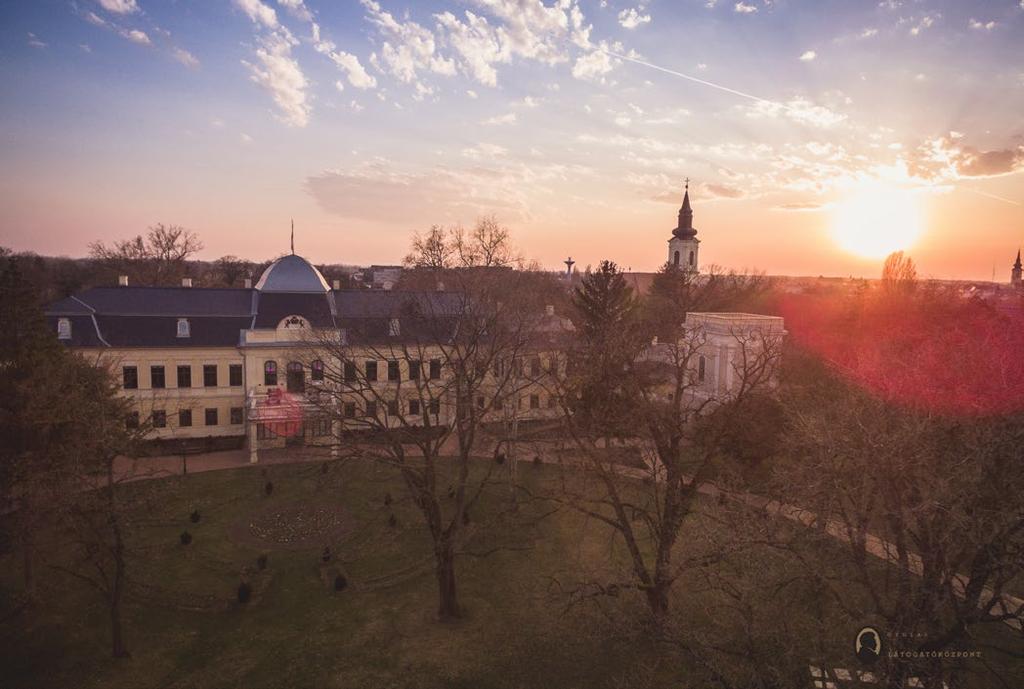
(685, 228)
(1017, 265)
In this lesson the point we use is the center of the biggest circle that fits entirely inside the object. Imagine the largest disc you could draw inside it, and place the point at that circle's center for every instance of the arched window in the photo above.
(64, 328)
(675, 259)
(691, 258)
(317, 368)
(702, 366)
(184, 329)
(270, 373)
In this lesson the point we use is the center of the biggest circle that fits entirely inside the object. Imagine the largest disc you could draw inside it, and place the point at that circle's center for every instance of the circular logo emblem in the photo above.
(868, 645)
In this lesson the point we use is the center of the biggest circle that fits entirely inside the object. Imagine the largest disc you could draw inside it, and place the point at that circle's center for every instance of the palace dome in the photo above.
(292, 273)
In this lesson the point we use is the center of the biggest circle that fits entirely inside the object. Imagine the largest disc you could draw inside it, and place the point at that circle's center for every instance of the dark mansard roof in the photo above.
(291, 286)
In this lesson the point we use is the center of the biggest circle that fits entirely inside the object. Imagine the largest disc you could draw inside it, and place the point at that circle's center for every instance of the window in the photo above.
(210, 375)
(371, 409)
(393, 371)
(184, 329)
(270, 373)
(211, 416)
(435, 406)
(320, 427)
(130, 376)
(235, 375)
(350, 372)
(675, 258)
(691, 258)
(414, 369)
(184, 417)
(159, 417)
(414, 407)
(237, 416)
(131, 421)
(534, 401)
(701, 368)
(63, 329)
(394, 328)
(392, 407)
(157, 379)
(552, 401)
(317, 369)
(350, 410)
(371, 370)
(535, 367)
(435, 369)
(184, 376)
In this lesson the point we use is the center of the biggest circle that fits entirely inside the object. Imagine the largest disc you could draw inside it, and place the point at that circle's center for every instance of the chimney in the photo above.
(248, 283)
(549, 310)
(186, 282)
(336, 284)
(122, 280)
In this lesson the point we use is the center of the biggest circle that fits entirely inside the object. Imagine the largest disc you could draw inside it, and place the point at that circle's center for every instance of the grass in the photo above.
(382, 630)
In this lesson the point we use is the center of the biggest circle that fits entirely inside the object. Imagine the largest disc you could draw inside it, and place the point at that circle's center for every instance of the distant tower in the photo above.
(683, 245)
(1015, 274)
(569, 263)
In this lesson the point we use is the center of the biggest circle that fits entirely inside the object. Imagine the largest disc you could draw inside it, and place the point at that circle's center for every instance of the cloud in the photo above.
(744, 8)
(244, 138)
(868, 33)
(119, 6)
(484, 151)
(440, 194)
(594, 65)
(801, 206)
(947, 158)
(721, 191)
(508, 118)
(808, 56)
(927, 21)
(34, 41)
(280, 75)
(297, 8)
(798, 110)
(477, 45)
(409, 48)
(349, 64)
(982, 26)
(258, 12)
(631, 18)
(136, 36)
(184, 57)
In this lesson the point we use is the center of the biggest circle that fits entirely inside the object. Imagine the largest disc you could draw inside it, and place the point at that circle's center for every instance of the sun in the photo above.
(875, 222)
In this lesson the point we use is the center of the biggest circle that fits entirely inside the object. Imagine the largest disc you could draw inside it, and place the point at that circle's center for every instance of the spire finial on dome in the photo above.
(293, 236)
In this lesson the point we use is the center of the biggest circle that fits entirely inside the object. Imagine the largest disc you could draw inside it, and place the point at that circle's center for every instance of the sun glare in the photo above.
(875, 223)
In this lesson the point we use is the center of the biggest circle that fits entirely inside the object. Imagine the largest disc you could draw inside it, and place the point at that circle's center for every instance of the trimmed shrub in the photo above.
(261, 562)
(244, 592)
(323, 469)
(268, 488)
(536, 461)
(194, 517)
(499, 458)
(185, 537)
(392, 521)
(387, 498)
(340, 582)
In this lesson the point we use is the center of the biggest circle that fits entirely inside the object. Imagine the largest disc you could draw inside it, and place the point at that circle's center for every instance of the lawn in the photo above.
(185, 627)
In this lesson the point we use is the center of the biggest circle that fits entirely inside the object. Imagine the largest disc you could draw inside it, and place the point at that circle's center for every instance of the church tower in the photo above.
(1015, 274)
(683, 245)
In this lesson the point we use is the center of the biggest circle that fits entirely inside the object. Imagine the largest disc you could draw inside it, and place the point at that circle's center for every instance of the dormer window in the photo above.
(184, 329)
(63, 328)
(394, 328)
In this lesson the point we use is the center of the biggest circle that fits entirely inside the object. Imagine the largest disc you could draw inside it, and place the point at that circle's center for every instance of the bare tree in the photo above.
(231, 269)
(426, 382)
(899, 274)
(158, 259)
(431, 250)
(487, 245)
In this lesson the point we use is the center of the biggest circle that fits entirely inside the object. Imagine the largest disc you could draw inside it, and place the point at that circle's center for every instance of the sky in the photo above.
(816, 134)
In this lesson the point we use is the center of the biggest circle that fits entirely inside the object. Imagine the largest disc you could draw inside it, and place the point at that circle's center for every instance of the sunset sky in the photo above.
(817, 133)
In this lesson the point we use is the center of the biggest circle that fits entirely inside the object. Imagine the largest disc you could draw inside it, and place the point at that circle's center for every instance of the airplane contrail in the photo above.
(692, 78)
(993, 196)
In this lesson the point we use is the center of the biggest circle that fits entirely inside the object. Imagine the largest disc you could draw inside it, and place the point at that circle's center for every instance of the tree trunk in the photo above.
(448, 603)
(657, 600)
(116, 632)
(27, 569)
